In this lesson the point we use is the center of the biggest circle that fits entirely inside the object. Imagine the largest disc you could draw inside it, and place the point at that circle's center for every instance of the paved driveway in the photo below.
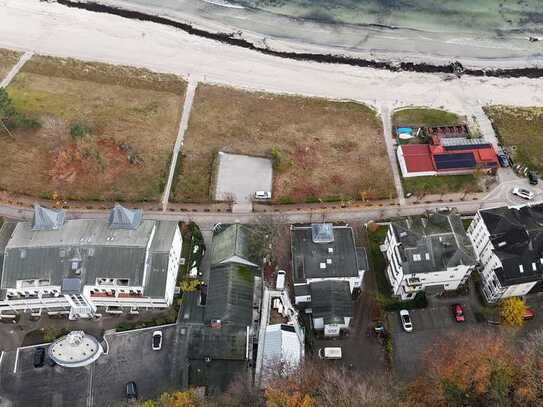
(240, 176)
(430, 327)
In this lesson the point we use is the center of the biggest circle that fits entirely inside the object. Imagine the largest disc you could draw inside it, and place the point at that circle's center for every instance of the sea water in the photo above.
(498, 17)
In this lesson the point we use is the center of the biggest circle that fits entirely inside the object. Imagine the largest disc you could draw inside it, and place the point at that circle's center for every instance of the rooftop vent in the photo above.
(501, 244)
(47, 219)
(322, 232)
(123, 218)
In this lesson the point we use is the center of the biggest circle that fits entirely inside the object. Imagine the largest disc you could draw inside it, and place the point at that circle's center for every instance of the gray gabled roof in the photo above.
(47, 219)
(101, 252)
(231, 244)
(225, 343)
(230, 293)
(123, 218)
(331, 300)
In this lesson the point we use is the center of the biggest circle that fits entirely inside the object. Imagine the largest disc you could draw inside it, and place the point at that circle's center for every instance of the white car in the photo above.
(157, 340)
(406, 320)
(523, 193)
(262, 195)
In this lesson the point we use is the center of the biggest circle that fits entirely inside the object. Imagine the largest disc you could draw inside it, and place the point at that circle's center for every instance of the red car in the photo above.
(528, 314)
(458, 313)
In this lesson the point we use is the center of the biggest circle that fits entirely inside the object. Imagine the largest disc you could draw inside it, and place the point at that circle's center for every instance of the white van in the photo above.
(280, 281)
(330, 353)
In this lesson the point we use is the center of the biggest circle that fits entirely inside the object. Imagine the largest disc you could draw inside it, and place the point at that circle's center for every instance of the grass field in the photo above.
(421, 117)
(520, 128)
(321, 149)
(107, 132)
(420, 186)
(8, 58)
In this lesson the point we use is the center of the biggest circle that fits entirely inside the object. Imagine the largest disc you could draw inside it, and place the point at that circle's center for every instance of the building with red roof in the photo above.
(446, 156)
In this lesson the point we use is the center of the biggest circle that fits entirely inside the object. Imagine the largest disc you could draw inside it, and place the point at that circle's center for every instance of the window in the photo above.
(122, 281)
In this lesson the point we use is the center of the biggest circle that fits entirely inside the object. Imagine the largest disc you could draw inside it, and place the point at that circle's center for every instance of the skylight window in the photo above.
(521, 268)
(534, 266)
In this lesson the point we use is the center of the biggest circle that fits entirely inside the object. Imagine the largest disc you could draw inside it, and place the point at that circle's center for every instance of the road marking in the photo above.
(90, 397)
(16, 360)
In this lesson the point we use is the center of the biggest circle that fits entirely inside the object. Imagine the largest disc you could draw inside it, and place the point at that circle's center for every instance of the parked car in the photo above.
(523, 193)
(51, 362)
(262, 195)
(157, 340)
(39, 357)
(330, 353)
(131, 392)
(406, 320)
(280, 281)
(504, 160)
(528, 314)
(458, 313)
(532, 178)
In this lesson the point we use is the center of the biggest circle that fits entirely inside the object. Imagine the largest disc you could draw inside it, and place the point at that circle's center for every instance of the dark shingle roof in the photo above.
(338, 257)
(230, 293)
(226, 343)
(517, 237)
(433, 242)
(331, 300)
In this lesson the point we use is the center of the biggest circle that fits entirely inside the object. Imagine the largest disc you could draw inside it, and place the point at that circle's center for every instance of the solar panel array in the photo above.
(453, 161)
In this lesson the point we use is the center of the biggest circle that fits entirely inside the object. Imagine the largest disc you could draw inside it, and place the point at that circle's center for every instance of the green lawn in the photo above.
(419, 186)
(520, 128)
(422, 117)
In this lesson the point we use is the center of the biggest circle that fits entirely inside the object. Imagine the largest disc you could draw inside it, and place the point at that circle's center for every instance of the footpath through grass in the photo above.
(423, 117)
(520, 129)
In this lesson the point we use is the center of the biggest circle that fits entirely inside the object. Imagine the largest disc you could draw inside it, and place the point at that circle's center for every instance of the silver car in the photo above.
(523, 193)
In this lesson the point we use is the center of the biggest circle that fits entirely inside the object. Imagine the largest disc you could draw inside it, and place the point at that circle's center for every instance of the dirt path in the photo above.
(386, 116)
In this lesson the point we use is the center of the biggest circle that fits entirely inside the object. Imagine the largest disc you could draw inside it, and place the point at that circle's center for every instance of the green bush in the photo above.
(419, 301)
(79, 130)
(11, 118)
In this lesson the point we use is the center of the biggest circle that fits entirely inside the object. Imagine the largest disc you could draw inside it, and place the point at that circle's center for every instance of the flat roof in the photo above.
(321, 260)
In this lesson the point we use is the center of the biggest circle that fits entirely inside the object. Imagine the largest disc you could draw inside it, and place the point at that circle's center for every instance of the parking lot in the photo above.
(240, 176)
(431, 326)
(130, 358)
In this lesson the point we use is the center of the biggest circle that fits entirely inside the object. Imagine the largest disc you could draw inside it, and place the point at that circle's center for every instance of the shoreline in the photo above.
(511, 68)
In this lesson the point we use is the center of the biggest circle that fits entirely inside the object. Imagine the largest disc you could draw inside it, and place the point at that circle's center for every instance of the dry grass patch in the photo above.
(8, 58)
(520, 129)
(107, 131)
(321, 149)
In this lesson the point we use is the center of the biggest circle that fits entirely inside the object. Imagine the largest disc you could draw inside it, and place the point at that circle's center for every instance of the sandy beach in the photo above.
(53, 29)
(415, 42)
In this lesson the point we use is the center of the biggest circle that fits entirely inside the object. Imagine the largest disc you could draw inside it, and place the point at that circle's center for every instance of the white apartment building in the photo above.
(430, 253)
(76, 266)
(508, 242)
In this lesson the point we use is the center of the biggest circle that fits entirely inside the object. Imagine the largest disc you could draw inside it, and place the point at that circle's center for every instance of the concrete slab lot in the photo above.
(240, 176)
(130, 358)
(431, 326)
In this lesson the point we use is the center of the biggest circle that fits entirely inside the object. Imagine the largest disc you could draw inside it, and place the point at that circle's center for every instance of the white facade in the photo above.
(354, 282)
(406, 286)
(489, 262)
(331, 329)
(39, 296)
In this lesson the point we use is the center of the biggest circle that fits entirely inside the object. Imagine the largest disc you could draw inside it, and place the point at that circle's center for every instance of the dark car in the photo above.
(528, 314)
(458, 313)
(39, 357)
(131, 391)
(51, 362)
(504, 160)
(532, 178)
